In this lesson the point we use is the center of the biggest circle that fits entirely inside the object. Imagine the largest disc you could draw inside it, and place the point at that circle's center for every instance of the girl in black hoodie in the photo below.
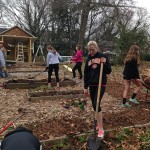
(91, 78)
(131, 75)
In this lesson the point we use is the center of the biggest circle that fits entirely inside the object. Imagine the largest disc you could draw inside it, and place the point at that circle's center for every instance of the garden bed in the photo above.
(31, 83)
(55, 94)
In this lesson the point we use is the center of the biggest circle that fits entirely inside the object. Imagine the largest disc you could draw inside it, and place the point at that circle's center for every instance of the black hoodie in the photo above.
(92, 70)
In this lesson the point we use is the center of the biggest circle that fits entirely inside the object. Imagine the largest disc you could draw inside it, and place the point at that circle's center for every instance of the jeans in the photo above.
(1, 73)
(5, 73)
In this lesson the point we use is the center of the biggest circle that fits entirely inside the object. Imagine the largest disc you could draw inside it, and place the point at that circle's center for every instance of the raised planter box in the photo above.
(28, 84)
(51, 95)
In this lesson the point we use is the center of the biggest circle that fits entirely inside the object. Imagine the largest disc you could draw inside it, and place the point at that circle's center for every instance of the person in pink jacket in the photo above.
(78, 60)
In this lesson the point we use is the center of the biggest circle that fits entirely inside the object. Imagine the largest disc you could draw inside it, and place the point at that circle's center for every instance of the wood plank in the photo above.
(30, 85)
(56, 97)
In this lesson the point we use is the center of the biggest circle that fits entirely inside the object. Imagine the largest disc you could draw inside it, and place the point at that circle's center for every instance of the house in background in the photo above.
(19, 44)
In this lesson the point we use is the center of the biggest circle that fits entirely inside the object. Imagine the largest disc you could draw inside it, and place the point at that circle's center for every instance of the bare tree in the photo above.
(33, 15)
(68, 22)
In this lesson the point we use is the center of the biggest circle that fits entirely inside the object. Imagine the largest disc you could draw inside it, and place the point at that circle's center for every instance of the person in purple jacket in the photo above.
(78, 60)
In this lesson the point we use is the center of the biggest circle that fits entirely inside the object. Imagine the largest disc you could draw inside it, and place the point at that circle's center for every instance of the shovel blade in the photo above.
(93, 143)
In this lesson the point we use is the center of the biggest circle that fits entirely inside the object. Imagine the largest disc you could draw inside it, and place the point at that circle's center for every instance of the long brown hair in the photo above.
(51, 48)
(133, 53)
(78, 47)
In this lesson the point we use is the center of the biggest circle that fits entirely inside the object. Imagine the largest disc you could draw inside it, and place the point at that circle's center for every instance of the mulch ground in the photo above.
(47, 126)
(72, 125)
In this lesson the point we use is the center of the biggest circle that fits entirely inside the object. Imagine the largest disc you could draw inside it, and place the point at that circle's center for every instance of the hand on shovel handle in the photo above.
(103, 60)
(86, 92)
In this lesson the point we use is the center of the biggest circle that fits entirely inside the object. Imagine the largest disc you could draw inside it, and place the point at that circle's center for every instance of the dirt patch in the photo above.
(116, 90)
(72, 125)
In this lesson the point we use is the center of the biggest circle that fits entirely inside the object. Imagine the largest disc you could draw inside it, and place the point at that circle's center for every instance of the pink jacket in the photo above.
(78, 56)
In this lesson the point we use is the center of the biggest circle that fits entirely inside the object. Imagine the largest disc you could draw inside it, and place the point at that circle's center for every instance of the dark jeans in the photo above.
(77, 66)
(54, 67)
(1, 73)
(93, 95)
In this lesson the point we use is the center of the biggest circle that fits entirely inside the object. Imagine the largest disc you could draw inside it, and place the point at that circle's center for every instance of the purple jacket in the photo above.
(78, 56)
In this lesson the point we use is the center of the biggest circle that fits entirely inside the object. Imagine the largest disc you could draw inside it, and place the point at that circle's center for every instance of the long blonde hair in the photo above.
(133, 53)
(50, 47)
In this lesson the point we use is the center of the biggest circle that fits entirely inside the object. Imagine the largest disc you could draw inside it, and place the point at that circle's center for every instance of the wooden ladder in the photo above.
(20, 55)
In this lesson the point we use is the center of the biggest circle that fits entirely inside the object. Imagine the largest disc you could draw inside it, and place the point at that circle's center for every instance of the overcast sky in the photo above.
(143, 3)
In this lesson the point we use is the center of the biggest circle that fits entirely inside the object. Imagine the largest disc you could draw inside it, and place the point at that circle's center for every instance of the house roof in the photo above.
(15, 35)
(3, 31)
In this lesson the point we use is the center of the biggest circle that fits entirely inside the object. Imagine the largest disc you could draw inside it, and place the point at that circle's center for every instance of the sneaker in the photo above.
(49, 87)
(1, 85)
(78, 81)
(126, 105)
(101, 134)
(133, 100)
(74, 79)
(57, 88)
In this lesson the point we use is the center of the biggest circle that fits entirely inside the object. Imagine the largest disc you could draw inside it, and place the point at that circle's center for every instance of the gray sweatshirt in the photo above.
(2, 59)
(53, 58)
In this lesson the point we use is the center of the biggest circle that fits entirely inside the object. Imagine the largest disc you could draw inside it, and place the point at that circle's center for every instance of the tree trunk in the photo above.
(84, 19)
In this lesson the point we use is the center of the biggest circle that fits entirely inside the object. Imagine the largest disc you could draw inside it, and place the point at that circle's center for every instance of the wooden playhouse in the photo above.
(19, 44)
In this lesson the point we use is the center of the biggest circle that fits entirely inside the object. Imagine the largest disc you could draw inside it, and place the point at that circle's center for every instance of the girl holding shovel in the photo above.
(91, 79)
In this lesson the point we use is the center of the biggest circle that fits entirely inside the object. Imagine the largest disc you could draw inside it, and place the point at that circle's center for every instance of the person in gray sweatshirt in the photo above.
(53, 58)
(2, 61)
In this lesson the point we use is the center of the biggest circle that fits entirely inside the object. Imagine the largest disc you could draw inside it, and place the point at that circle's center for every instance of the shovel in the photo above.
(37, 74)
(10, 123)
(94, 142)
(68, 69)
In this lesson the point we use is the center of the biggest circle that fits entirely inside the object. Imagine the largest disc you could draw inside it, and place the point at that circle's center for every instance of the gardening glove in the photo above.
(103, 60)
(86, 91)
(4, 69)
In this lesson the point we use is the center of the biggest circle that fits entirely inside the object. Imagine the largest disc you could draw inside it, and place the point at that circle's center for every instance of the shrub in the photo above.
(118, 60)
(145, 57)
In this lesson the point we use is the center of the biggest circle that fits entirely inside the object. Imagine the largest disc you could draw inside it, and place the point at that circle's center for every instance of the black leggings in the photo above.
(93, 95)
(50, 70)
(77, 66)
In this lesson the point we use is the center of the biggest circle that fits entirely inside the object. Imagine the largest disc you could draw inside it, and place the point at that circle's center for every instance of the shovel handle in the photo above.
(99, 89)
(38, 74)
(6, 127)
